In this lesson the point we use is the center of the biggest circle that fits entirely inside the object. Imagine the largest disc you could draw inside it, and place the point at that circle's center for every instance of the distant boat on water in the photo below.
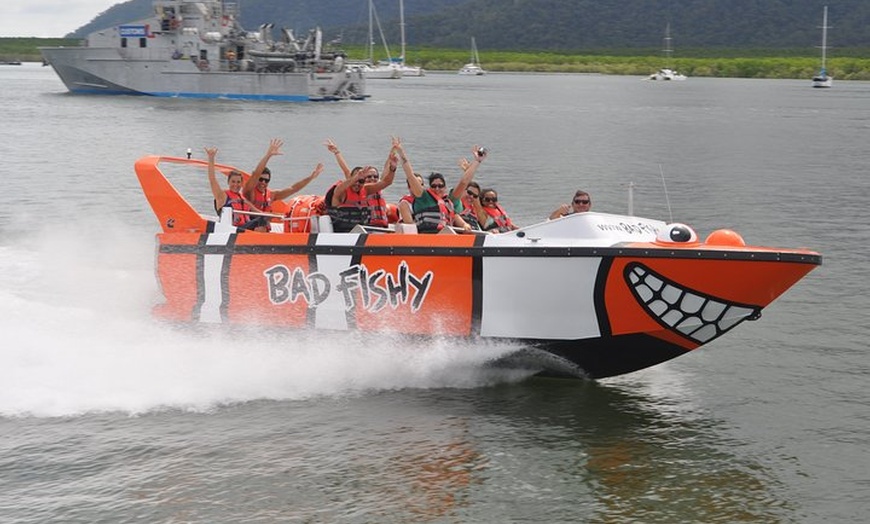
(823, 79)
(381, 70)
(406, 69)
(198, 49)
(473, 68)
(667, 73)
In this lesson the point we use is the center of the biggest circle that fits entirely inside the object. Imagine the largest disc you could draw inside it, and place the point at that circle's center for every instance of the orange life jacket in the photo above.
(500, 219)
(237, 203)
(354, 210)
(262, 201)
(377, 210)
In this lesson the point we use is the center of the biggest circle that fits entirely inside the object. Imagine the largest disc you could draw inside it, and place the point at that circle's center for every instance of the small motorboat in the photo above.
(601, 294)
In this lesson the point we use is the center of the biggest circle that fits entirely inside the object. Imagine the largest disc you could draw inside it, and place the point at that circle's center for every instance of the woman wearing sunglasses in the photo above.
(581, 203)
(434, 208)
(471, 205)
(492, 216)
(257, 186)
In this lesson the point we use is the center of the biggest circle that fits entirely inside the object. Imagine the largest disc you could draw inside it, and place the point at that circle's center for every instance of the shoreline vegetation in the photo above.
(851, 64)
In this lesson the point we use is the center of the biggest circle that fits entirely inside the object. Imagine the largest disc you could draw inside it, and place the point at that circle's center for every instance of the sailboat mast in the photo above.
(371, 34)
(824, 35)
(668, 50)
(402, 27)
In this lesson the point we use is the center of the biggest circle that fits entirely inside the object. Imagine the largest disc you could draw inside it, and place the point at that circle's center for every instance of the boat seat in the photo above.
(406, 229)
(321, 224)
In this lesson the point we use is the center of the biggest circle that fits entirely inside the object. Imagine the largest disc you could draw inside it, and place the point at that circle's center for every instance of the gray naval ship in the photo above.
(198, 49)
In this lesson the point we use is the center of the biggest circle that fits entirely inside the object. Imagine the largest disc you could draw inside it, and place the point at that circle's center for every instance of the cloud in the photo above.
(49, 18)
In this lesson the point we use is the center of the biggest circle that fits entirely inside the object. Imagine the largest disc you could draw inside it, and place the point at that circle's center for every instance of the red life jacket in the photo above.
(237, 203)
(354, 210)
(377, 210)
(262, 201)
(500, 219)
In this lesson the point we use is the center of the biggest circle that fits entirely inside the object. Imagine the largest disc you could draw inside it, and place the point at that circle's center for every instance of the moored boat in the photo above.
(667, 73)
(600, 294)
(473, 67)
(198, 49)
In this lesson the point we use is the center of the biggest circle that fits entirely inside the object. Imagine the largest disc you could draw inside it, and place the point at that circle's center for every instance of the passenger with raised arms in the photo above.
(357, 199)
(232, 198)
(471, 205)
(256, 188)
(434, 209)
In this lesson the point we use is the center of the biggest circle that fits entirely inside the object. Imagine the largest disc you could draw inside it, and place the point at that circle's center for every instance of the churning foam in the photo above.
(78, 337)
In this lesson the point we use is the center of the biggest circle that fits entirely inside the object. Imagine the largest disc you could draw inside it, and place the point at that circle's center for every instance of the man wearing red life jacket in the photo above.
(256, 188)
(232, 198)
(358, 199)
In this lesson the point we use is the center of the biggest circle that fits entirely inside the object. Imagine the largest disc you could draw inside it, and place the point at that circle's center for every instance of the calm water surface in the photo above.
(108, 416)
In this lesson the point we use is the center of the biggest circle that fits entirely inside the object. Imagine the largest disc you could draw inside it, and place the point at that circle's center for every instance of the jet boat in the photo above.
(602, 294)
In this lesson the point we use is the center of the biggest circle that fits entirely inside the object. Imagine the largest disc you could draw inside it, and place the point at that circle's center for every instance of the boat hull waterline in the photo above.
(605, 294)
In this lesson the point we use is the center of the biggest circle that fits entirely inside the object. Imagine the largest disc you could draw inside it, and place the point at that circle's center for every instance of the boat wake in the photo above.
(75, 312)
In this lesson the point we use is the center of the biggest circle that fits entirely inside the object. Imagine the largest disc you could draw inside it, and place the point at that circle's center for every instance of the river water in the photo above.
(109, 416)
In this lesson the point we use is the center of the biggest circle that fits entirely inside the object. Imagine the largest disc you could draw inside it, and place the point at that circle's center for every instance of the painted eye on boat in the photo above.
(677, 234)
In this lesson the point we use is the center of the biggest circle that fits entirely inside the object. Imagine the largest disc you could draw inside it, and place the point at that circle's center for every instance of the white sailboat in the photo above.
(473, 68)
(385, 69)
(823, 79)
(406, 69)
(667, 73)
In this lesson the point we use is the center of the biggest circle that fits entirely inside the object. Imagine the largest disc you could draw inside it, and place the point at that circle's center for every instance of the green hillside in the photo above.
(718, 38)
(561, 25)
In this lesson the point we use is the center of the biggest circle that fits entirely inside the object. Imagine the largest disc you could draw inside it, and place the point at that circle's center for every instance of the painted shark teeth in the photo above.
(695, 315)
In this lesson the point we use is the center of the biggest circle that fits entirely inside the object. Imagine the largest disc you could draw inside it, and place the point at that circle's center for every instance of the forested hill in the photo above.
(560, 25)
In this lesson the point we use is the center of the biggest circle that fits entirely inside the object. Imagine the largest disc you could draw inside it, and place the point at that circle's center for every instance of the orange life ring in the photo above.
(302, 208)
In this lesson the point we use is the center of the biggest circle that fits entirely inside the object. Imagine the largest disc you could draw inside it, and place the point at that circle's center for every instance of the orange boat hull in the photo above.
(611, 299)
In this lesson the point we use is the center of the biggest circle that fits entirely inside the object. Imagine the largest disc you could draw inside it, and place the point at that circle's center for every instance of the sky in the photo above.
(48, 18)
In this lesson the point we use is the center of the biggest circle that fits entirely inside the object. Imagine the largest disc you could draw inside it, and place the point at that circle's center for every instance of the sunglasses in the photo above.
(372, 177)
(490, 199)
(579, 201)
(471, 193)
(264, 180)
(437, 186)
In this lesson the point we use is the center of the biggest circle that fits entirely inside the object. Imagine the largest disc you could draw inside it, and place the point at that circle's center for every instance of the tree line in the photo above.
(560, 25)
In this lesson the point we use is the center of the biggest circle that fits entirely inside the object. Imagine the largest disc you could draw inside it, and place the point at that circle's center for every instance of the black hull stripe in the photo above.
(359, 251)
(476, 289)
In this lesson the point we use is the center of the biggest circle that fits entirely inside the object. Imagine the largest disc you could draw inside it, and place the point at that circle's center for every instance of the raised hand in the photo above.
(275, 147)
(331, 146)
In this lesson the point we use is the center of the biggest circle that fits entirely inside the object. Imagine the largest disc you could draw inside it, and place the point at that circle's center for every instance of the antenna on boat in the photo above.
(667, 198)
(631, 199)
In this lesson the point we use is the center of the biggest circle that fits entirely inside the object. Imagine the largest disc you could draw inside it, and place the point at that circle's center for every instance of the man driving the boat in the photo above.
(581, 203)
